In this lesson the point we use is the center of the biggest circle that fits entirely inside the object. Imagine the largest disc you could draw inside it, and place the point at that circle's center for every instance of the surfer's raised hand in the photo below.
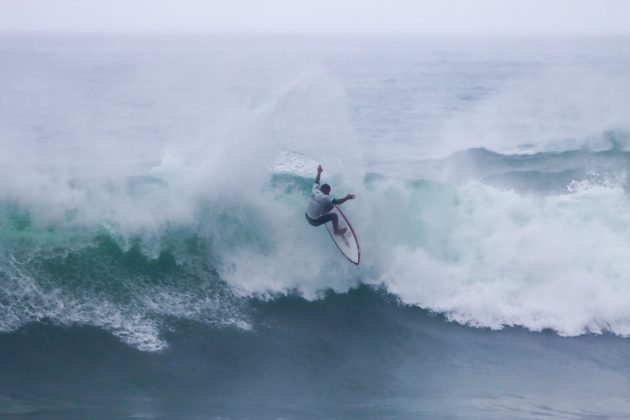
(320, 169)
(343, 200)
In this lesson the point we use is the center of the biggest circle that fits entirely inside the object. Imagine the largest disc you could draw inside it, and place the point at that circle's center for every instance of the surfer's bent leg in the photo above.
(330, 217)
(323, 219)
(335, 222)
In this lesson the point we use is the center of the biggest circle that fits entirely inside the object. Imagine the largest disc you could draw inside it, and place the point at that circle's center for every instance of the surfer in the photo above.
(320, 204)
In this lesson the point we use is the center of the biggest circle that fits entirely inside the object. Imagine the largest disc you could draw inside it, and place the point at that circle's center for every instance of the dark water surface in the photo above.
(355, 355)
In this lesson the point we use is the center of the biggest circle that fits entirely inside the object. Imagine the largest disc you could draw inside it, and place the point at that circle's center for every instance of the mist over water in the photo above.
(154, 185)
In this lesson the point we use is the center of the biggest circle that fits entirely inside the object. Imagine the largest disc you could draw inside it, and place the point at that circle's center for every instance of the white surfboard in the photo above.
(347, 243)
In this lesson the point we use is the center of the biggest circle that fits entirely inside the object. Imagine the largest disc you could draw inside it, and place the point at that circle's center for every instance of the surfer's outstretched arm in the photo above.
(343, 200)
(320, 169)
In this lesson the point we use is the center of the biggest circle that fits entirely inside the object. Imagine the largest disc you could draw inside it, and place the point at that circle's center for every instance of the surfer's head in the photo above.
(325, 188)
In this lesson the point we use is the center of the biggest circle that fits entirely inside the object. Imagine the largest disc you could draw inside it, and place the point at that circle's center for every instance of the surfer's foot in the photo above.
(340, 231)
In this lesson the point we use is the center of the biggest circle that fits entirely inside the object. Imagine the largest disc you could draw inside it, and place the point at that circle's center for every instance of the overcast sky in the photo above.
(322, 16)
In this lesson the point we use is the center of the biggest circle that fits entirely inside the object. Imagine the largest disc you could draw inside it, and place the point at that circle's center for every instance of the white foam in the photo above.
(556, 262)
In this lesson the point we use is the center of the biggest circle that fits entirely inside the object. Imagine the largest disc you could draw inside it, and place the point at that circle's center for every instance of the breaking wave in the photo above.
(479, 249)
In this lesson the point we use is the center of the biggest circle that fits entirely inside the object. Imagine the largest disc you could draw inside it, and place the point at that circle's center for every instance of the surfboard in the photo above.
(347, 243)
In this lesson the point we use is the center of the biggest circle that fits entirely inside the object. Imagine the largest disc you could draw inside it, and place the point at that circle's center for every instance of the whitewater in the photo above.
(151, 186)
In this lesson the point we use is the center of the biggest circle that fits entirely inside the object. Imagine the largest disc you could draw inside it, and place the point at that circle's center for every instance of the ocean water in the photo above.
(155, 261)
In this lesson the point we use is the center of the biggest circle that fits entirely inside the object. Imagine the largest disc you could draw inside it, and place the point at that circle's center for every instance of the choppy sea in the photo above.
(155, 262)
